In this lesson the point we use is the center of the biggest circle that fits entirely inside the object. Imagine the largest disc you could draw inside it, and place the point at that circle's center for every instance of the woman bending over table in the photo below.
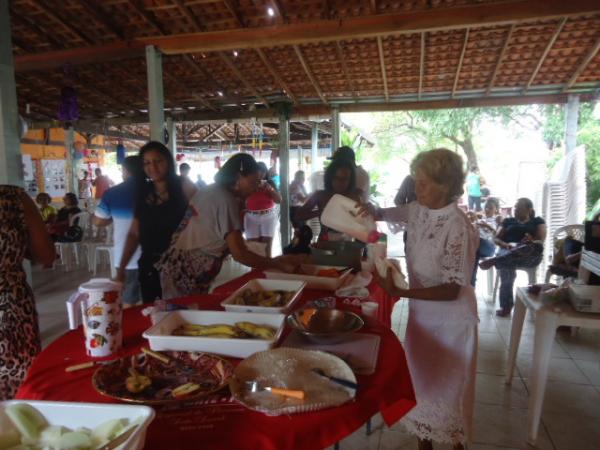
(520, 239)
(340, 178)
(441, 336)
(211, 229)
(162, 198)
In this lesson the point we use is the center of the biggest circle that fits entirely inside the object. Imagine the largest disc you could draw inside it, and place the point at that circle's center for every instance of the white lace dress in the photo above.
(441, 336)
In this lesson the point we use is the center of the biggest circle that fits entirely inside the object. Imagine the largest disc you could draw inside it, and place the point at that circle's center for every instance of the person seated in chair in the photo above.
(61, 230)
(520, 239)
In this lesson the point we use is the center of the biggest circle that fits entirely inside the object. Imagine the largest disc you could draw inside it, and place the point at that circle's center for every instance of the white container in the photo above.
(161, 338)
(259, 285)
(585, 298)
(341, 214)
(312, 280)
(74, 415)
(369, 309)
(97, 304)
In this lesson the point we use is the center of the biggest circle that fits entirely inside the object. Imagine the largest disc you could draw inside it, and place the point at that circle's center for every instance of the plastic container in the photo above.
(265, 285)
(161, 338)
(313, 281)
(89, 415)
(341, 214)
(337, 253)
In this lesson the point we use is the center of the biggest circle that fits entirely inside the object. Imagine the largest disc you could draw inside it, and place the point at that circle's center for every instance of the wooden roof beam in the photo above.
(421, 65)
(147, 16)
(233, 10)
(189, 16)
(545, 53)
(276, 76)
(173, 79)
(64, 22)
(500, 58)
(242, 78)
(383, 71)
(309, 74)
(460, 62)
(96, 11)
(473, 15)
(586, 60)
(278, 10)
(340, 55)
(26, 21)
(373, 5)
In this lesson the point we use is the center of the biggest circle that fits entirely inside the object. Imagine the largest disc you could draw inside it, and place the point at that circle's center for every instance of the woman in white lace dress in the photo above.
(441, 336)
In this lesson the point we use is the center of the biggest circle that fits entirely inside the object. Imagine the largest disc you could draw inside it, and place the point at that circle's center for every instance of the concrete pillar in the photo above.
(11, 167)
(571, 119)
(72, 164)
(156, 99)
(314, 153)
(284, 173)
(172, 131)
(335, 128)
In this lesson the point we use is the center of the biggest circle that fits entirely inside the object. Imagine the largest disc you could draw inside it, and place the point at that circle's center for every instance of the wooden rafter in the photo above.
(309, 73)
(189, 15)
(460, 62)
(586, 60)
(340, 54)
(421, 66)
(98, 14)
(545, 53)
(26, 21)
(173, 79)
(278, 10)
(500, 58)
(63, 21)
(382, 67)
(147, 16)
(234, 11)
(282, 84)
(472, 15)
(373, 5)
(242, 78)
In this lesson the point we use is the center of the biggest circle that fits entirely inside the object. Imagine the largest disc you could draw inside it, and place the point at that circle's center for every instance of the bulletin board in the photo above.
(55, 177)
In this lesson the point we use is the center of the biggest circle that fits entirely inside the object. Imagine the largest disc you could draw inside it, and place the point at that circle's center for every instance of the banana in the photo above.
(221, 330)
(259, 331)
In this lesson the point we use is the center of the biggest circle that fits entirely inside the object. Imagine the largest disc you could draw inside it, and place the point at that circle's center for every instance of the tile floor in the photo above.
(571, 412)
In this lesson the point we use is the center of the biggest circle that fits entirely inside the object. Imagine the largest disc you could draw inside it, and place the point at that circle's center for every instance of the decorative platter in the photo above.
(196, 375)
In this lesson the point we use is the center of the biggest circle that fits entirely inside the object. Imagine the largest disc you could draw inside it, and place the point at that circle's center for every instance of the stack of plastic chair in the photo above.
(108, 248)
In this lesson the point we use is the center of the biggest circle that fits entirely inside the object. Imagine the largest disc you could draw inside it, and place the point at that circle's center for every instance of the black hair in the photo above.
(262, 167)
(133, 165)
(72, 198)
(493, 201)
(345, 152)
(184, 166)
(240, 164)
(528, 204)
(43, 195)
(336, 164)
(174, 184)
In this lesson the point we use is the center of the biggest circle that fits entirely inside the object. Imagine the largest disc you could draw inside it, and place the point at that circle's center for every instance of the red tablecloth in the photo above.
(218, 422)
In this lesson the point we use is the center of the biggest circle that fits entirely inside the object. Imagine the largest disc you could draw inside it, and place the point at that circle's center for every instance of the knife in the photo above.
(120, 439)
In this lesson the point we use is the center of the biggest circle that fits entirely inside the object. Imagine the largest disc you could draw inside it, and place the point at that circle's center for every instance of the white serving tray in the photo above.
(74, 415)
(312, 281)
(258, 285)
(160, 335)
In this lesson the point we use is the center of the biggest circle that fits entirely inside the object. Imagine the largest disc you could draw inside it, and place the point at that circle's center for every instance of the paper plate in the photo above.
(210, 371)
(291, 368)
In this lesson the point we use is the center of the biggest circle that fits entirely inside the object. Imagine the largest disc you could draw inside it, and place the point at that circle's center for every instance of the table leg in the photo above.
(545, 330)
(515, 336)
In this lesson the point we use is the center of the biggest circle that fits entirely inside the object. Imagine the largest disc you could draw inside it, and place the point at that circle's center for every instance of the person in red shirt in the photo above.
(260, 220)
(101, 183)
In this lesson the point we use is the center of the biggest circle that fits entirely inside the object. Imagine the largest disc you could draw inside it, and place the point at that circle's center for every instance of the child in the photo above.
(301, 241)
(47, 211)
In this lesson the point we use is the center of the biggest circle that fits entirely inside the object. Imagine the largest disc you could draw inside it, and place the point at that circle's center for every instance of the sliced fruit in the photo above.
(20, 419)
(74, 441)
(108, 430)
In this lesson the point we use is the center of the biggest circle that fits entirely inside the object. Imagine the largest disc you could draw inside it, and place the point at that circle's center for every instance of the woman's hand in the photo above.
(290, 263)
(120, 275)
(367, 209)
(387, 283)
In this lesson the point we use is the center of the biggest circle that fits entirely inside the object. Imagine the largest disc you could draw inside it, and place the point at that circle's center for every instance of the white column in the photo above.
(314, 154)
(72, 164)
(284, 173)
(156, 100)
(335, 128)
(571, 118)
(11, 167)
(172, 130)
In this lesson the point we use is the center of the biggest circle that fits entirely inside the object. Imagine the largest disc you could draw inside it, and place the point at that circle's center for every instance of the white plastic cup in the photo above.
(369, 309)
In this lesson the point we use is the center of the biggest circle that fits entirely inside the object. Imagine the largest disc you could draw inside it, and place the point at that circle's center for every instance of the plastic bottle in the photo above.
(341, 214)
(376, 250)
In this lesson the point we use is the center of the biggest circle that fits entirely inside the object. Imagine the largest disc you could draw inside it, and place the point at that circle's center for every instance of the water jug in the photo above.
(341, 214)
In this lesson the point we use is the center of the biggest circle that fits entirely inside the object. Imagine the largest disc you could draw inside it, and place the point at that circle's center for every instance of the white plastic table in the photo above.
(547, 319)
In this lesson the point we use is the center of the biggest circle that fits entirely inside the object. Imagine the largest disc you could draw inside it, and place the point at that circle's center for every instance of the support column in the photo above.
(571, 118)
(72, 165)
(335, 128)
(314, 153)
(156, 100)
(11, 167)
(172, 130)
(284, 173)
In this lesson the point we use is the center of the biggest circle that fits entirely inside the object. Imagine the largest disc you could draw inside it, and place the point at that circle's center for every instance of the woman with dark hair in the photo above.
(260, 220)
(340, 178)
(211, 229)
(162, 198)
(60, 229)
(520, 239)
(486, 226)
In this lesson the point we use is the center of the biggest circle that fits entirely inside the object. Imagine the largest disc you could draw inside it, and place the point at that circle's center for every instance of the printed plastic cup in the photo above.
(369, 309)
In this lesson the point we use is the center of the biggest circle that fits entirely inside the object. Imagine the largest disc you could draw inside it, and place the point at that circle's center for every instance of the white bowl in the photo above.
(74, 415)
(258, 285)
(160, 336)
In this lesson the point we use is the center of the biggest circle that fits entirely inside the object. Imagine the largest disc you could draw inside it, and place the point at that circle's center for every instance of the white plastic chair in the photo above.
(100, 247)
(576, 232)
(66, 249)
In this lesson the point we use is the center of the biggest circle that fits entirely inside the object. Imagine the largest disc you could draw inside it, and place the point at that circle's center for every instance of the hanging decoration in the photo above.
(23, 127)
(179, 157)
(79, 149)
(68, 111)
(120, 152)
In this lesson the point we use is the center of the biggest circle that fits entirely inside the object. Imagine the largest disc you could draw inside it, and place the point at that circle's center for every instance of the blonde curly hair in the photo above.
(444, 167)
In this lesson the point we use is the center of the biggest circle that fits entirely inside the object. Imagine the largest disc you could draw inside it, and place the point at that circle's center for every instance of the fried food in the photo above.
(136, 382)
(241, 330)
(263, 298)
(258, 331)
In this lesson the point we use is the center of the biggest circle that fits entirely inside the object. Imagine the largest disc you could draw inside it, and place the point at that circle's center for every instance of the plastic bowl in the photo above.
(324, 325)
